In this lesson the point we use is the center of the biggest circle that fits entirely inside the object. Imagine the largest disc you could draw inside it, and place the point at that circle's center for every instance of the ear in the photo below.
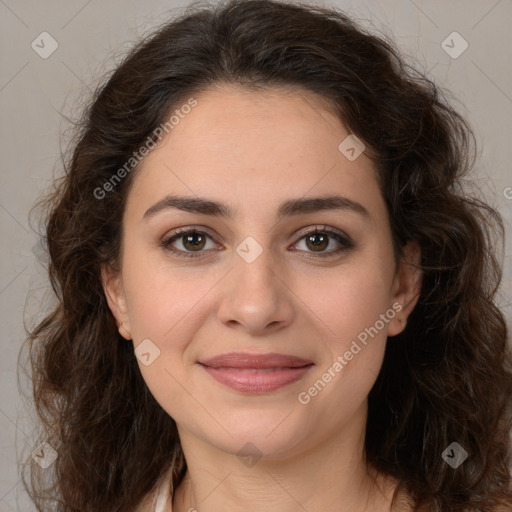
(406, 287)
(116, 299)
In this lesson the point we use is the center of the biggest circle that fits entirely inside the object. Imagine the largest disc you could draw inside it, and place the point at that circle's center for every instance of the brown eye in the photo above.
(191, 241)
(318, 240)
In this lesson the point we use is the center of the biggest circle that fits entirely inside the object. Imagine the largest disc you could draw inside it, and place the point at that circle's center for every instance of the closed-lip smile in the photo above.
(256, 373)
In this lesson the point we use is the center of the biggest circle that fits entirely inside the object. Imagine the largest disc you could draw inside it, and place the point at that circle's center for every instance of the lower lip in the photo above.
(257, 381)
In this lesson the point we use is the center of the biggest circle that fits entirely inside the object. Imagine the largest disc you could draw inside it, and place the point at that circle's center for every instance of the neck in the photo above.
(331, 475)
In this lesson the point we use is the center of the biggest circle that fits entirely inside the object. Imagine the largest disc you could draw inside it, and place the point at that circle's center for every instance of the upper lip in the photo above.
(245, 360)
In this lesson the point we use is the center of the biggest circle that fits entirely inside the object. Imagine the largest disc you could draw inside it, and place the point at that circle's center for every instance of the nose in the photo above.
(256, 297)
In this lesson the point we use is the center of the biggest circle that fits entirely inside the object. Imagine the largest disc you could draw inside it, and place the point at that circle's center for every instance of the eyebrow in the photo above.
(288, 208)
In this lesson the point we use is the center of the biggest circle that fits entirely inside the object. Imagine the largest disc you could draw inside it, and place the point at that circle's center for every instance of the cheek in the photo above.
(162, 300)
(355, 308)
(353, 304)
(350, 298)
(334, 396)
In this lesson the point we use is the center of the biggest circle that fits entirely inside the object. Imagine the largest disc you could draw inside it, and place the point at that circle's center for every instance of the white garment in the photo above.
(163, 502)
(163, 498)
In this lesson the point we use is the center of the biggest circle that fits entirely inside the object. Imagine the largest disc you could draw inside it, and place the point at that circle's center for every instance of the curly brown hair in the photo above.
(447, 377)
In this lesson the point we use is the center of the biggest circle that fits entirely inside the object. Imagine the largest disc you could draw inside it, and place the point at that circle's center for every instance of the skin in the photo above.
(252, 151)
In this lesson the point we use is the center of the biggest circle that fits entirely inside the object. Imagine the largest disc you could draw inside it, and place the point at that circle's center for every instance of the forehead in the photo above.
(242, 121)
(255, 146)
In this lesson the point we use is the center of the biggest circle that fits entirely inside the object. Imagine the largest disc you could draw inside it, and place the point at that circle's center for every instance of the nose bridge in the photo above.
(256, 294)
(255, 268)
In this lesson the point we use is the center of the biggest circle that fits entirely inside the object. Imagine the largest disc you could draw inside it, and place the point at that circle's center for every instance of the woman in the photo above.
(273, 290)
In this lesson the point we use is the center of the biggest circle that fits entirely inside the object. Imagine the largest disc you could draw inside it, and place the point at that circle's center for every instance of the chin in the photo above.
(257, 435)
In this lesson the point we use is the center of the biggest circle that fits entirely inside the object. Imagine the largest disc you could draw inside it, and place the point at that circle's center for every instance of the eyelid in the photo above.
(193, 228)
(322, 228)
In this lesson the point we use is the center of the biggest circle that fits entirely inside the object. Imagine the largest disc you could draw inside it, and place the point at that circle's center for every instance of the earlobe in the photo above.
(406, 287)
(115, 295)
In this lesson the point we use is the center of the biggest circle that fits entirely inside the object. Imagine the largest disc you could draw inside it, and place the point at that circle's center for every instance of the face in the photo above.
(259, 281)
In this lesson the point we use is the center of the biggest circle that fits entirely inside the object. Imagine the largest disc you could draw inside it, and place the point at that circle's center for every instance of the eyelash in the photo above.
(345, 242)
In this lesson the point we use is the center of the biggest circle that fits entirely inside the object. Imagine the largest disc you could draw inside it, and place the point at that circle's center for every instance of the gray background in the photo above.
(36, 94)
